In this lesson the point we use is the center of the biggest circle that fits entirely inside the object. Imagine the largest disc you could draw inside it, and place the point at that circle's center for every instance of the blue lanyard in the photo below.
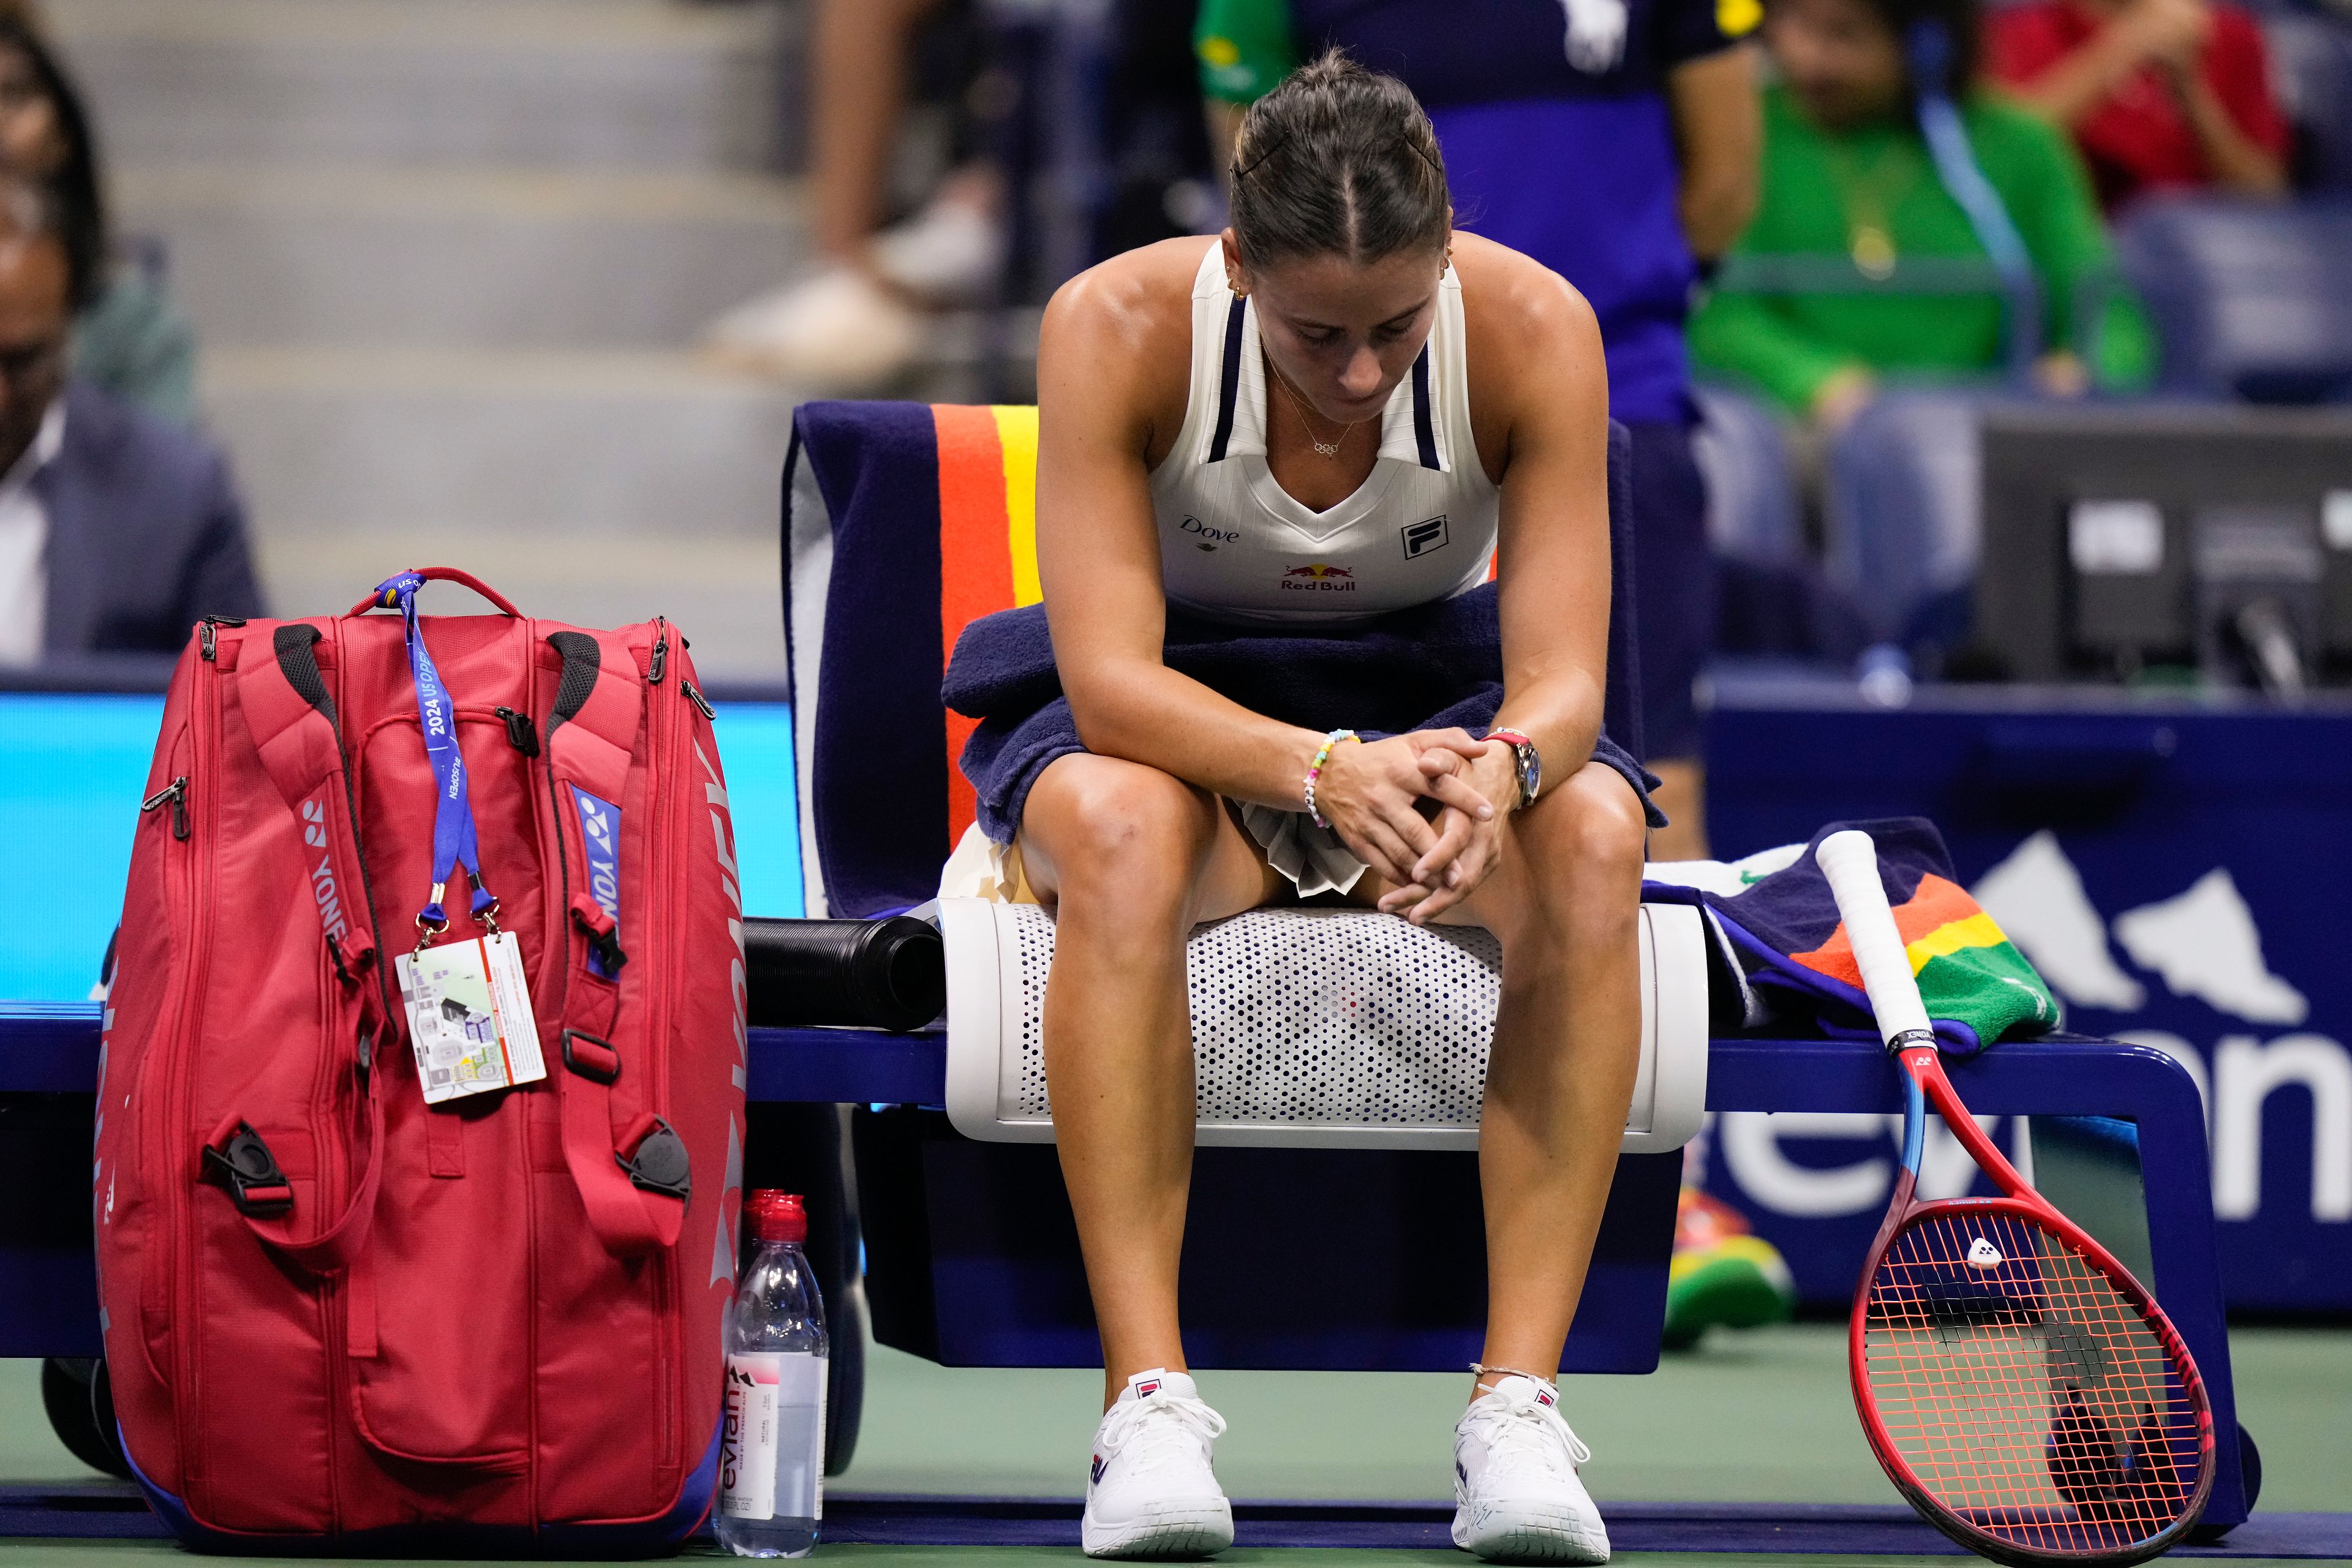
(1929, 50)
(453, 811)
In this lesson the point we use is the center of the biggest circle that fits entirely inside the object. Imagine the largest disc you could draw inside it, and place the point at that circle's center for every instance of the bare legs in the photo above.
(1563, 902)
(1132, 858)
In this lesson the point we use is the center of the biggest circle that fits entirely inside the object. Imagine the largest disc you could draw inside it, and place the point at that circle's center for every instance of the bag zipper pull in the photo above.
(176, 792)
(210, 634)
(661, 652)
(520, 734)
(698, 699)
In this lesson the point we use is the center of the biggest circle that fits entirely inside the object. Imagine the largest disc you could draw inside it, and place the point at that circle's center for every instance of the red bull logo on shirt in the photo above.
(1319, 578)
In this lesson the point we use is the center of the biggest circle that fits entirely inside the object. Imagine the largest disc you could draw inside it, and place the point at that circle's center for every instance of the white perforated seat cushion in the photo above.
(1324, 1027)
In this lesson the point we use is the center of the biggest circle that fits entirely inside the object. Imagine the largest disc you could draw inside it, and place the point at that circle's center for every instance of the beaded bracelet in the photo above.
(1315, 769)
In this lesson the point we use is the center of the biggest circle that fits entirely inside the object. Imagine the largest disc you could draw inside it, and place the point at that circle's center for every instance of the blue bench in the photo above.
(48, 1059)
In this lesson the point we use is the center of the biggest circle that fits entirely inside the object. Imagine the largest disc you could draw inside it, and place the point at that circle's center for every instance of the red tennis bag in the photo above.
(335, 1313)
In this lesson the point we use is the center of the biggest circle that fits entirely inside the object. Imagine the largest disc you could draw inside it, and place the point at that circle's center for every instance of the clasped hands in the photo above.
(1423, 810)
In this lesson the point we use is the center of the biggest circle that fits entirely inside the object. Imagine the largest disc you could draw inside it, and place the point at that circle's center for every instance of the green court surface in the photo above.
(1757, 1418)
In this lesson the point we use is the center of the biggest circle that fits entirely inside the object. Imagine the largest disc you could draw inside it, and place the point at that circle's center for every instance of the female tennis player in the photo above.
(1335, 411)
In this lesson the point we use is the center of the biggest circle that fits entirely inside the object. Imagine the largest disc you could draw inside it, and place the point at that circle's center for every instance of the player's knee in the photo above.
(1124, 832)
(1591, 850)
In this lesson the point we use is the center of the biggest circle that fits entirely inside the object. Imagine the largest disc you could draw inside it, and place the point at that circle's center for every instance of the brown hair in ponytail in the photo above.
(1338, 160)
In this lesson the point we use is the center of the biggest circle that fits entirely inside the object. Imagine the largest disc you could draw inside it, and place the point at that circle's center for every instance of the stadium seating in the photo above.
(2311, 65)
(2249, 300)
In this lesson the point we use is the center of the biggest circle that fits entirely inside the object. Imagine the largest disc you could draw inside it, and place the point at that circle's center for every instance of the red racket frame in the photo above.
(1923, 1064)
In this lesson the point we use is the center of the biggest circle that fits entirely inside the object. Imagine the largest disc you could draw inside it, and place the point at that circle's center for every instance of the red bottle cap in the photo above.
(775, 1216)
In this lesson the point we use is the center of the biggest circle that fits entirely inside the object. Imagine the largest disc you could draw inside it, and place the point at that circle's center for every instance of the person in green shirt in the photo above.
(1864, 302)
(1861, 267)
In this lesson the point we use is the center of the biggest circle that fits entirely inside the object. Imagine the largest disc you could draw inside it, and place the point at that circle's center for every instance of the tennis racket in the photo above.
(2021, 1390)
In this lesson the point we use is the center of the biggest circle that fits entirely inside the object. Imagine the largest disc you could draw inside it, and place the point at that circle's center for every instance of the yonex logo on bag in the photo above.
(323, 875)
(600, 833)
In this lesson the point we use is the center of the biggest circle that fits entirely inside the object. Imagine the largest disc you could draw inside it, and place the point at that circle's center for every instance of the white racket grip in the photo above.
(1850, 861)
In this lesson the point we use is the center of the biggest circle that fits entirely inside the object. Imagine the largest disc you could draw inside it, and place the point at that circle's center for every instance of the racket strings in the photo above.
(2025, 1392)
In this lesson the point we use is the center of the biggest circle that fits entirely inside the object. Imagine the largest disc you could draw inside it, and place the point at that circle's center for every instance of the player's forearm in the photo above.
(1559, 711)
(1144, 712)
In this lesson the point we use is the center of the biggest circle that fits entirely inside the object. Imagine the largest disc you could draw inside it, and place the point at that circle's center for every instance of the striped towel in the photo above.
(902, 522)
(1777, 931)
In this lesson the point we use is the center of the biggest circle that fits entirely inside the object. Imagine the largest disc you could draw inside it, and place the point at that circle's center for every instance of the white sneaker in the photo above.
(1515, 1494)
(951, 253)
(837, 331)
(1151, 1493)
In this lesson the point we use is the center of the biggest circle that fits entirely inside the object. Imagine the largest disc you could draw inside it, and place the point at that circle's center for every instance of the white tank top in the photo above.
(1233, 545)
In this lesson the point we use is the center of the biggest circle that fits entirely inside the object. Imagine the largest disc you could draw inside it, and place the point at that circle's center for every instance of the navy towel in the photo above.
(1430, 668)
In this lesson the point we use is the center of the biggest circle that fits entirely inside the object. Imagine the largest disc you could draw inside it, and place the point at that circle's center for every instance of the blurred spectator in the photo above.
(2159, 94)
(117, 531)
(1851, 197)
(859, 322)
(1615, 141)
(128, 338)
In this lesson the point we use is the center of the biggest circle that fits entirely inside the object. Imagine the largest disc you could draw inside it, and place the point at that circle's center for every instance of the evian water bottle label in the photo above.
(772, 1445)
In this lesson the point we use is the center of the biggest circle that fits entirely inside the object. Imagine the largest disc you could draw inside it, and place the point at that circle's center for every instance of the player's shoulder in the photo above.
(1137, 293)
(1509, 297)
(1118, 338)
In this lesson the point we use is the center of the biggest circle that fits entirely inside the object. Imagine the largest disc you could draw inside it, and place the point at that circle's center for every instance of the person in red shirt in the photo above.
(2159, 94)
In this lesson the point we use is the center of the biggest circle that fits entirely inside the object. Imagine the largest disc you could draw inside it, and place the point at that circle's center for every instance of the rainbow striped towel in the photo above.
(1778, 931)
(902, 521)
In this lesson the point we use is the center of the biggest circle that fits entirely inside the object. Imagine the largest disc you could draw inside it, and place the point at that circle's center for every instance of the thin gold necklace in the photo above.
(1332, 451)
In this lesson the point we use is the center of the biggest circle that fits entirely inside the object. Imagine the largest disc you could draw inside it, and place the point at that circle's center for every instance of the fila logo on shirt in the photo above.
(1421, 538)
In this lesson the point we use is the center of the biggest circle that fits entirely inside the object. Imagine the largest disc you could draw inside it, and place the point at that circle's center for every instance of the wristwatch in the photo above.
(1527, 762)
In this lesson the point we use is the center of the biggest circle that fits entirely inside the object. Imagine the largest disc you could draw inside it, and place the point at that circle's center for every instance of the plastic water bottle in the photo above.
(771, 1447)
